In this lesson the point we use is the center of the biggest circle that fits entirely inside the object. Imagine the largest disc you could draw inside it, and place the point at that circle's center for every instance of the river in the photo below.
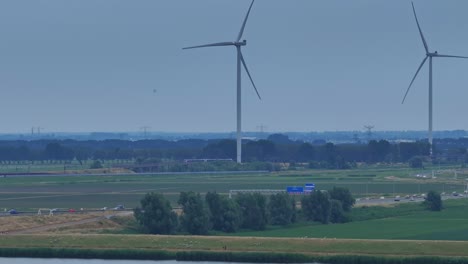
(97, 261)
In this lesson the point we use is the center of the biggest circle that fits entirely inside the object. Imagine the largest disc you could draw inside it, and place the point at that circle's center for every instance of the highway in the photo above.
(391, 200)
(6, 175)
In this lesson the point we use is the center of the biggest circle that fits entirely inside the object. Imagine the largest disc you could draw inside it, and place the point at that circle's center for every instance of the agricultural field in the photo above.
(92, 192)
(55, 166)
(411, 222)
(305, 246)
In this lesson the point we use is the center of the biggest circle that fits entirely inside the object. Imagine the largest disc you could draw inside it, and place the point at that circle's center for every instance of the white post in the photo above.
(239, 110)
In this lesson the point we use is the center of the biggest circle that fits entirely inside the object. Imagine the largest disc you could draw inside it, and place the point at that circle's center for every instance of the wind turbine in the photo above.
(429, 55)
(240, 59)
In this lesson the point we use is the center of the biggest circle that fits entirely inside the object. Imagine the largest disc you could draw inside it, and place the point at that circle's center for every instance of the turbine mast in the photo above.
(240, 62)
(430, 106)
(239, 107)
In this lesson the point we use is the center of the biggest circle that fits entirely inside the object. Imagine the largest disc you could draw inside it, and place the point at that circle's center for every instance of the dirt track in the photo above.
(18, 230)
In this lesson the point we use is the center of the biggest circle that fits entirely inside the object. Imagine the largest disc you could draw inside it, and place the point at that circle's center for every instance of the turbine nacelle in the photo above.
(241, 43)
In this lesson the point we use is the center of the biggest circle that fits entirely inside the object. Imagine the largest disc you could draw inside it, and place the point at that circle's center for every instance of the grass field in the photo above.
(241, 244)
(403, 230)
(99, 191)
(414, 224)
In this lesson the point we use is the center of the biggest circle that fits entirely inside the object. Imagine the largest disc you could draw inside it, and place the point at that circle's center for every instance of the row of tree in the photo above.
(247, 211)
(275, 149)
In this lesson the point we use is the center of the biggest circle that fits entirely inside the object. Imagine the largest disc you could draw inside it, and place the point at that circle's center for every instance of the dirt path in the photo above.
(43, 228)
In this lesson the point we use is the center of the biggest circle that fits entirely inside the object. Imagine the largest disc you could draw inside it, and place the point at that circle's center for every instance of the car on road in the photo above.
(12, 211)
(71, 210)
(119, 207)
(397, 198)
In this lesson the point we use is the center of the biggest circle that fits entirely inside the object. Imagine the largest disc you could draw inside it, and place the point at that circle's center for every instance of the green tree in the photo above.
(253, 208)
(344, 196)
(96, 165)
(316, 207)
(306, 152)
(56, 151)
(433, 201)
(155, 214)
(194, 219)
(282, 209)
(337, 214)
(225, 213)
(416, 162)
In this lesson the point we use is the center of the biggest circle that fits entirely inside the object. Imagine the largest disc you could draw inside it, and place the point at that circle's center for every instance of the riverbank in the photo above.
(234, 249)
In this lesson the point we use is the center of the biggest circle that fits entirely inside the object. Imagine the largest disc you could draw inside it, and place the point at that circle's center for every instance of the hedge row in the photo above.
(252, 257)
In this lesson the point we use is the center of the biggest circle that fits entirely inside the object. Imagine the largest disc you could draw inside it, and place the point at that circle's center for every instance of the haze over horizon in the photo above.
(114, 65)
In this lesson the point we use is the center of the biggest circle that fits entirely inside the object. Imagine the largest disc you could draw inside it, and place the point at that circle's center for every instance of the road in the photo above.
(391, 200)
(136, 173)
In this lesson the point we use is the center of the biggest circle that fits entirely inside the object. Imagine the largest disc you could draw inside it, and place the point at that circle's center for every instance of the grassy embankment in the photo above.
(264, 249)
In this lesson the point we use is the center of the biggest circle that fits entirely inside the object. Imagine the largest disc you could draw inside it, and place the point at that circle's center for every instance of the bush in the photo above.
(96, 165)
(433, 201)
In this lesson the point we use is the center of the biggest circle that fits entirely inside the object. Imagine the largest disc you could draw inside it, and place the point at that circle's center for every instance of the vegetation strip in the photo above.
(251, 257)
(241, 244)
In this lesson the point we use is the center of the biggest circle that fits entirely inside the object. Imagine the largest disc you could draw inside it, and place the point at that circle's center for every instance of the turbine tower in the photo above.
(240, 59)
(429, 55)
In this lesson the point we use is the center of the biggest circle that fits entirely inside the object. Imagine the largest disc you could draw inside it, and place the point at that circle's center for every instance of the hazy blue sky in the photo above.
(87, 65)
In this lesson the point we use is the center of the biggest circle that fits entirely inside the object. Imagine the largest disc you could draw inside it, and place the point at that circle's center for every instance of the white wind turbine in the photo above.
(240, 59)
(429, 55)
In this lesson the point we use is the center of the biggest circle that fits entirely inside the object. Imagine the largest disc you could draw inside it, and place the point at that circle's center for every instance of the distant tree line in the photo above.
(246, 211)
(277, 148)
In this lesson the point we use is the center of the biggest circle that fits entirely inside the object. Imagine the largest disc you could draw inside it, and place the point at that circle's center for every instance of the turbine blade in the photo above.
(211, 45)
(450, 56)
(420, 31)
(248, 73)
(420, 66)
(245, 21)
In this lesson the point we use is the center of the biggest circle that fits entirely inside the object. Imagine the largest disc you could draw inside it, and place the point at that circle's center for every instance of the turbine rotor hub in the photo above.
(241, 43)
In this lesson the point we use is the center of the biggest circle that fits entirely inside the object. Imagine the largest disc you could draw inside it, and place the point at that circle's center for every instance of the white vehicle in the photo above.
(397, 198)
(119, 207)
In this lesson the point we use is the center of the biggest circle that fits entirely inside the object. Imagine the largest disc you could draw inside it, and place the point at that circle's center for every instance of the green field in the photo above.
(99, 191)
(239, 244)
(413, 224)
(404, 230)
